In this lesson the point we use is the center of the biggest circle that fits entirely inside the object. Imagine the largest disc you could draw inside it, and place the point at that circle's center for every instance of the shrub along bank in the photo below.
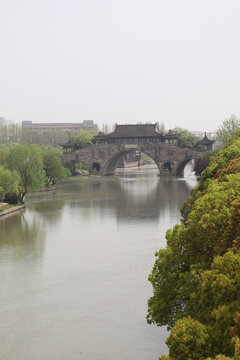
(28, 167)
(196, 279)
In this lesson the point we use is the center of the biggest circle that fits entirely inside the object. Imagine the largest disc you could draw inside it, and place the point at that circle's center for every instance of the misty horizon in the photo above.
(132, 61)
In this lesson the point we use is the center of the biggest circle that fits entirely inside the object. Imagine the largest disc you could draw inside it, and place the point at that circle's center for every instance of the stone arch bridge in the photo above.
(104, 158)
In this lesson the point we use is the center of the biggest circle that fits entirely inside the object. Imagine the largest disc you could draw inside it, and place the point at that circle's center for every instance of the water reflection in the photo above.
(23, 233)
(74, 268)
(48, 206)
(132, 197)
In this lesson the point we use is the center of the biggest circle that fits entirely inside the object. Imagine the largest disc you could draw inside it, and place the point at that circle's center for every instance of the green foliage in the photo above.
(220, 357)
(49, 137)
(236, 355)
(145, 158)
(200, 164)
(10, 133)
(83, 139)
(198, 274)
(4, 149)
(227, 129)
(53, 167)
(6, 207)
(99, 138)
(203, 161)
(187, 340)
(168, 301)
(215, 216)
(26, 160)
(81, 167)
(185, 138)
(9, 183)
(70, 165)
(28, 167)
(222, 160)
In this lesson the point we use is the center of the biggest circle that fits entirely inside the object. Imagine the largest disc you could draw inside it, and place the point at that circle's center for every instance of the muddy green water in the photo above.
(74, 268)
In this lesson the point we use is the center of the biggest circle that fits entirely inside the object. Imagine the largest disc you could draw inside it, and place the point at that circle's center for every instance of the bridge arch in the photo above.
(167, 166)
(181, 166)
(113, 162)
(96, 167)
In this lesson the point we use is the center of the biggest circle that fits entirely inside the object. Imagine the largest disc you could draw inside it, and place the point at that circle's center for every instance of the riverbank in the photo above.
(6, 208)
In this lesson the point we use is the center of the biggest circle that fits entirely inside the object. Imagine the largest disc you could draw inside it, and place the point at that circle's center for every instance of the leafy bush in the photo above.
(196, 279)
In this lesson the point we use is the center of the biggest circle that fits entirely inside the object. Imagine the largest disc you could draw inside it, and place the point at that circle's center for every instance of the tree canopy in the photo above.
(83, 139)
(26, 160)
(185, 137)
(52, 165)
(227, 129)
(196, 279)
(9, 184)
(27, 167)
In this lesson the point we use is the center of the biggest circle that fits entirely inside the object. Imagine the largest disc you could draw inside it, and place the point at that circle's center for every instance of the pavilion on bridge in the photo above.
(205, 144)
(139, 134)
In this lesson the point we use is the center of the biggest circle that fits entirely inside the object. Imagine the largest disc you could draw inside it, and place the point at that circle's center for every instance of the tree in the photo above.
(83, 139)
(53, 167)
(3, 133)
(197, 275)
(202, 162)
(4, 149)
(9, 185)
(185, 137)
(182, 340)
(70, 165)
(227, 129)
(99, 138)
(26, 160)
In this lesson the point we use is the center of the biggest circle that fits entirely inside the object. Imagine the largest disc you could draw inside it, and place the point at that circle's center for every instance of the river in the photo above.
(74, 267)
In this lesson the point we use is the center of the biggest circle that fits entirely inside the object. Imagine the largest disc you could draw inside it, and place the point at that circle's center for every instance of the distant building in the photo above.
(72, 127)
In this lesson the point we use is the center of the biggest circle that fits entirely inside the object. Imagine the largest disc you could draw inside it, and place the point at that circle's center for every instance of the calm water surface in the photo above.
(74, 268)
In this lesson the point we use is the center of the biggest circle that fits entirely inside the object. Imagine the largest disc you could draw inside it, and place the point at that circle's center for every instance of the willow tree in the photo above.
(9, 186)
(52, 165)
(27, 161)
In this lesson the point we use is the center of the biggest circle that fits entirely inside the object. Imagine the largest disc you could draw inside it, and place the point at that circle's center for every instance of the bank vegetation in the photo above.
(24, 168)
(196, 279)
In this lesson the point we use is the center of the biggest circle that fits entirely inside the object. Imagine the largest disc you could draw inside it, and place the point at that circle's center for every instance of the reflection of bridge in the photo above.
(104, 157)
(127, 199)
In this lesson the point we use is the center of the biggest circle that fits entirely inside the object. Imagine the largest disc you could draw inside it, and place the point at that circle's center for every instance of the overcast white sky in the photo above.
(124, 61)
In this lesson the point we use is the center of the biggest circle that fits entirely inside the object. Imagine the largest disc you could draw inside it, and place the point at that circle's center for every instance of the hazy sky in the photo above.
(124, 61)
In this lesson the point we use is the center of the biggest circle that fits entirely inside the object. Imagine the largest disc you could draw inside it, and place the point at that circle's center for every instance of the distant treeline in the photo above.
(16, 133)
(51, 137)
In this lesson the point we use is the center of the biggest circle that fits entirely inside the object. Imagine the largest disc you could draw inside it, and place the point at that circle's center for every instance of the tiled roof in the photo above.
(205, 141)
(138, 130)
